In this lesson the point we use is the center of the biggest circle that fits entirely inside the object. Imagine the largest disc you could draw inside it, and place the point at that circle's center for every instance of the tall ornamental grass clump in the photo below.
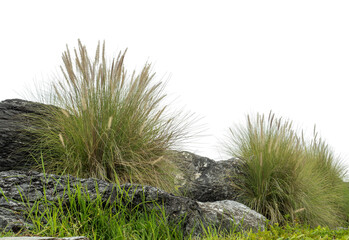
(272, 156)
(325, 192)
(286, 178)
(108, 121)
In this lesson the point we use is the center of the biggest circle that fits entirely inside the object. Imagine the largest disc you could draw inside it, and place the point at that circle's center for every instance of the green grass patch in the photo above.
(80, 215)
(288, 232)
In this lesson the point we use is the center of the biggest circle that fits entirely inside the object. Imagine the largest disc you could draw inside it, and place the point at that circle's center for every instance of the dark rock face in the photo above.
(32, 184)
(206, 180)
(13, 138)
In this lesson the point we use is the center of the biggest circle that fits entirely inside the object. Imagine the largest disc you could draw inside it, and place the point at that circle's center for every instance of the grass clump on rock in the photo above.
(286, 178)
(108, 121)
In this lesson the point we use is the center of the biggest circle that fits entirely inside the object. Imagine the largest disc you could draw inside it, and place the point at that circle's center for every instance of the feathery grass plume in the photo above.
(61, 139)
(110, 121)
(284, 176)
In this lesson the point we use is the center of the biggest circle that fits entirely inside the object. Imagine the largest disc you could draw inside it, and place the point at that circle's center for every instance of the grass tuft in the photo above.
(108, 121)
(286, 178)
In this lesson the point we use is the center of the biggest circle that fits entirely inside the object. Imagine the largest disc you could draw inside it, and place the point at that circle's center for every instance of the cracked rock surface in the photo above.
(13, 139)
(206, 180)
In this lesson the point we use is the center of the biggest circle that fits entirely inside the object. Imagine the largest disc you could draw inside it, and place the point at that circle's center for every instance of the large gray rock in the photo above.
(199, 178)
(205, 183)
(206, 180)
(14, 140)
(32, 184)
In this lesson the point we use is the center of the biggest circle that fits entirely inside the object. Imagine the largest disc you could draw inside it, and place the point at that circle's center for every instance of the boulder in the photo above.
(199, 178)
(226, 212)
(207, 186)
(14, 140)
(31, 184)
(206, 180)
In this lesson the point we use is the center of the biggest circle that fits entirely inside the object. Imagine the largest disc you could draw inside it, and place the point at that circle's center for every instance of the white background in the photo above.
(222, 59)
